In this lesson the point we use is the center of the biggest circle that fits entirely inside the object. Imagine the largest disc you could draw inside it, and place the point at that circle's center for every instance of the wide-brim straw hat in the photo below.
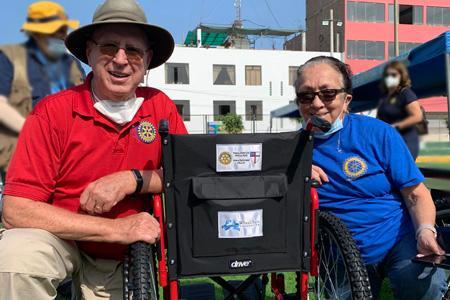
(47, 17)
(123, 12)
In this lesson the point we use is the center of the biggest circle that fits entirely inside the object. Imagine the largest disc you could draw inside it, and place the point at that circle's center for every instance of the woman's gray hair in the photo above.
(335, 63)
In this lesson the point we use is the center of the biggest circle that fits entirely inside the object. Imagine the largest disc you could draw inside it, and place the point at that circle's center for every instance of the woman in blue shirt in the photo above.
(369, 180)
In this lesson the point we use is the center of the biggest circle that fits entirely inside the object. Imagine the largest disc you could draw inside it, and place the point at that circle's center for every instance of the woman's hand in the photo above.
(318, 175)
(427, 244)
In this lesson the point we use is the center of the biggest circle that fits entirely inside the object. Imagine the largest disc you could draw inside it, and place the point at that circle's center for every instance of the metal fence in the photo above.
(198, 124)
(437, 131)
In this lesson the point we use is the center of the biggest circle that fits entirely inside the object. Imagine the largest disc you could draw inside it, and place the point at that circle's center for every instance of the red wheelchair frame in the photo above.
(170, 288)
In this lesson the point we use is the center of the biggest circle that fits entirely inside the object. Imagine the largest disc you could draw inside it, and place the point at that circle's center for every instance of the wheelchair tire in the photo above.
(336, 246)
(142, 276)
(443, 217)
(442, 202)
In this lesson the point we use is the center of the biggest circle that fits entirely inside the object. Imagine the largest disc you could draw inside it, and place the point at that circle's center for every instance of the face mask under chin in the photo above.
(336, 125)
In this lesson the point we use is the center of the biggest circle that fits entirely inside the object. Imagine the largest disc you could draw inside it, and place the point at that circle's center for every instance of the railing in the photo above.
(258, 123)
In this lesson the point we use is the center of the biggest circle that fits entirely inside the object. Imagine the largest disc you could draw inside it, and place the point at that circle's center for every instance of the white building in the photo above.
(208, 82)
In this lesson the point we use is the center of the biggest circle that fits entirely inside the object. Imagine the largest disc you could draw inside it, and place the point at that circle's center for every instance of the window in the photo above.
(418, 15)
(365, 50)
(253, 110)
(439, 16)
(222, 108)
(252, 75)
(177, 73)
(293, 74)
(408, 14)
(402, 48)
(224, 74)
(184, 109)
(365, 12)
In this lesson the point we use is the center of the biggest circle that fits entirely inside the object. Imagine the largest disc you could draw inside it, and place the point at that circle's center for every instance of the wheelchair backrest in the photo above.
(237, 203)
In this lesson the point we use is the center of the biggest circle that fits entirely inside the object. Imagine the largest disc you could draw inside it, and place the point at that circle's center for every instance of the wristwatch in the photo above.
(426, 226)
(139, 180)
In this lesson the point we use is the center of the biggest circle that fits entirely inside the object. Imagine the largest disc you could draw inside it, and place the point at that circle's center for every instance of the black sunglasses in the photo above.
(110, 49)
(326, 95)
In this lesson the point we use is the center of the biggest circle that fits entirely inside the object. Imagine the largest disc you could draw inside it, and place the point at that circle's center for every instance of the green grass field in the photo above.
(385, 293)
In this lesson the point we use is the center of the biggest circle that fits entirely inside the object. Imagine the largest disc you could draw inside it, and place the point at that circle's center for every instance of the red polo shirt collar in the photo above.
(84, 104)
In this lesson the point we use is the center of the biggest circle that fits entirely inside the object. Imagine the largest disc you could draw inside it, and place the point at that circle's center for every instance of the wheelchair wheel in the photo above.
(442, 202)
(342, 273)
(443, 220)
(443, 217)
(141, 273)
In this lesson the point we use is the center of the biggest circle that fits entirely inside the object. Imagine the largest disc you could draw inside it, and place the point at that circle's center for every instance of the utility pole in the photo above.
(330, 22)
(331, 32)
(238, 20)
(396, 17)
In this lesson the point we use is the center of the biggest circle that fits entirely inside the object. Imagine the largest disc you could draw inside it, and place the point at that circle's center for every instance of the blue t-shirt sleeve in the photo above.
(6, 75)
(398, 162)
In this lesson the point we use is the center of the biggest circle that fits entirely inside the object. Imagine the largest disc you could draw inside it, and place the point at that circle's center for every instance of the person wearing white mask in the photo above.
(32, 70)
(398, 105)
(367, 181)
(87, 161)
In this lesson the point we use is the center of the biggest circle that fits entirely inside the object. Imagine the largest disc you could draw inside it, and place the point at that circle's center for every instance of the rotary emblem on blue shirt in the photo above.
(146, 132)
(354, 167)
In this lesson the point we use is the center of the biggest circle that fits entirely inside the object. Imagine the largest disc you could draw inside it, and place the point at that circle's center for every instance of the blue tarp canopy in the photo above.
(428, 65)
(427, 68)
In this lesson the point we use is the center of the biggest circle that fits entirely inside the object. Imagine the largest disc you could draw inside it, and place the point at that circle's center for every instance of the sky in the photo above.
(177, 16)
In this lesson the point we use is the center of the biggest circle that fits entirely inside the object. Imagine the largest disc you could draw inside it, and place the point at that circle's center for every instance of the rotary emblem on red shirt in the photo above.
(146, 132)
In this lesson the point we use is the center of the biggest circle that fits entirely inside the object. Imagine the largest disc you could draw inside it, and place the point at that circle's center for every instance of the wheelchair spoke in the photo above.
(333, 283)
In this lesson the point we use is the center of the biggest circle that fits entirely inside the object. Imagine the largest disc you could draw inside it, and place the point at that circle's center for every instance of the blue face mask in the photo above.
(56, 47)
(337, 125)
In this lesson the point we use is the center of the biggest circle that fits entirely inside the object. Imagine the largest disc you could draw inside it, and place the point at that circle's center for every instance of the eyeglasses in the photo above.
(326, 95)
(134, 54)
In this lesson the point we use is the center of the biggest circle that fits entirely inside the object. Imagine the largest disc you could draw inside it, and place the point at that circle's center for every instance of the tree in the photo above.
(232, 123)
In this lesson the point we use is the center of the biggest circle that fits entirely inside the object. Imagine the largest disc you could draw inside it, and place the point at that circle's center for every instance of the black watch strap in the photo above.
(139, 180)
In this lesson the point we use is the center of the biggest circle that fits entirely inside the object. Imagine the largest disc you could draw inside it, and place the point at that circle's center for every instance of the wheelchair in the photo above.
(244, 204)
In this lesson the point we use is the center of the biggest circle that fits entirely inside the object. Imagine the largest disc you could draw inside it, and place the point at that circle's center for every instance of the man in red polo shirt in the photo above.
(87, 158)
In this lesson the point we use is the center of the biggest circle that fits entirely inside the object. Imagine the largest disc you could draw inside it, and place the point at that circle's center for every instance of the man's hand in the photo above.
(319, 175)
(427, 244)
(140, 227)
(102, 195)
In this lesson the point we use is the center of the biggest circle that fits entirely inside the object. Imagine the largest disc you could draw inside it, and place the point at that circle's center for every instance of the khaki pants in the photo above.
(33, 262)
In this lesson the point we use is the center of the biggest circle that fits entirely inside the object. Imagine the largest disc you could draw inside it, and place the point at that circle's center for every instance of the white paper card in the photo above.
(240, 224)
(238, 157)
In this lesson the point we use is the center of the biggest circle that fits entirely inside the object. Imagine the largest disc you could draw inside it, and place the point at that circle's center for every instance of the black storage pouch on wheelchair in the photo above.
(193, 200)
(221, 203)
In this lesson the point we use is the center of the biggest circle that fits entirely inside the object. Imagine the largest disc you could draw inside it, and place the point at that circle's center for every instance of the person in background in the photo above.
(399, 106)
(370, 181)
(79, 186)
(32, 70)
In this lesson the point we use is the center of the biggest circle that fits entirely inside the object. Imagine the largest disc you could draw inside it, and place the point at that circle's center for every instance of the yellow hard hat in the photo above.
(47, 17)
